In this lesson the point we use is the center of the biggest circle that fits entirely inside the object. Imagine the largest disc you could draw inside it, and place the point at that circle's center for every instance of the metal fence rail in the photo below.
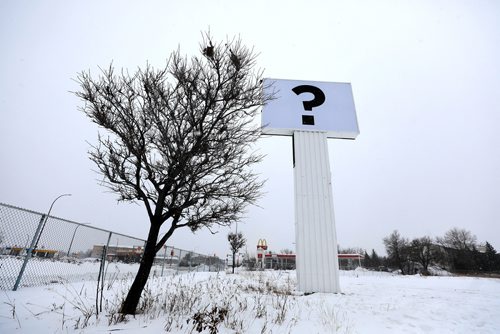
(36, 250)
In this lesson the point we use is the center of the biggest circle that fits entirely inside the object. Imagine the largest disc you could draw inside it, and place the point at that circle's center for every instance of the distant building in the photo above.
(119, 253)
(21, 251)
(267, 259)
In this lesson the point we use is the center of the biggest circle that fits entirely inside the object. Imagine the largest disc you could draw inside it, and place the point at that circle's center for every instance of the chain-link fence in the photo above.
(37, 249)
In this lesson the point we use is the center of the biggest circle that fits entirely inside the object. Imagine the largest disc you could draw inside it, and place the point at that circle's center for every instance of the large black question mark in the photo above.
(319, 99)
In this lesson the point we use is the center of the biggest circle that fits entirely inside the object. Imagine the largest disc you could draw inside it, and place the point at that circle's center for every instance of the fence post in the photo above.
(28, 254)
(102, 273)
(106, 255)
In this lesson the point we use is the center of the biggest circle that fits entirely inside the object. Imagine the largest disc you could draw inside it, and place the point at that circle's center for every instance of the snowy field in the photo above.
(262, 302)
(43, 271)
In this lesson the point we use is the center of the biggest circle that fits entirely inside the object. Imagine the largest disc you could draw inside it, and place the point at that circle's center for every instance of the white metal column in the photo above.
(315, 234)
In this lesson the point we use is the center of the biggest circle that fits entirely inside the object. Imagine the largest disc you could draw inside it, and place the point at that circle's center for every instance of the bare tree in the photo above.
(236, 242)
(179, 141)
(397, 251)
(459, 239)
(459, 249)
(423, 251)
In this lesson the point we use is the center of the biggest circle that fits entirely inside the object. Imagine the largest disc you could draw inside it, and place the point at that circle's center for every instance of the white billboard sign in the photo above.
(309, 105)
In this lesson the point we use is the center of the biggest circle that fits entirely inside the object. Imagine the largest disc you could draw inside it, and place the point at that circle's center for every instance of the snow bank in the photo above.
(265, 302)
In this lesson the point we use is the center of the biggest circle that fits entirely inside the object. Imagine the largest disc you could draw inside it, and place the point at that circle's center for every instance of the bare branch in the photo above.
(179, 139)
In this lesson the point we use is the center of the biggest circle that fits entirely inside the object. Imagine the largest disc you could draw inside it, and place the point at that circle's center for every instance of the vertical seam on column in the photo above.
(320, 211)
(321, 203)
(308, 214)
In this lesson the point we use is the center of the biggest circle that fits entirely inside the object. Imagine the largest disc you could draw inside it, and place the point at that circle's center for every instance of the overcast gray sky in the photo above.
(426, 84)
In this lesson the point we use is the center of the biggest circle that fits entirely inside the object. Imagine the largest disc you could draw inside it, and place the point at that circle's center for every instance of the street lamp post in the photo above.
(73, 237)
(34, 242)
(47, 218)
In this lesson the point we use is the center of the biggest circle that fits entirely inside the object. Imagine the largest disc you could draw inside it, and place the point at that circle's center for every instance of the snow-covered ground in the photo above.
(263, 302)
(46, 271)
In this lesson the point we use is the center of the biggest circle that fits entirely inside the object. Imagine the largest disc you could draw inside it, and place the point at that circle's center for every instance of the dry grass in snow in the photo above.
(261, 302)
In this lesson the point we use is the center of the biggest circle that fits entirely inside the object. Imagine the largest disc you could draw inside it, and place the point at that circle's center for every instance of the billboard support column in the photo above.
(315, 234)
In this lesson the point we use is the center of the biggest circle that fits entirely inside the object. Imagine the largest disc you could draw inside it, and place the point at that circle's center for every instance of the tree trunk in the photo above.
(129, 306)
(234, 258)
